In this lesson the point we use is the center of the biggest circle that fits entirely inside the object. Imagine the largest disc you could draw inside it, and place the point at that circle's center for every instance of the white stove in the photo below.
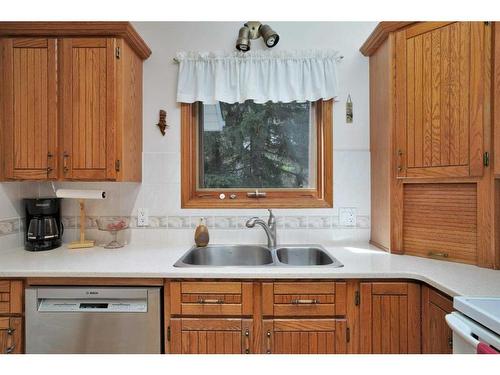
(477, 320)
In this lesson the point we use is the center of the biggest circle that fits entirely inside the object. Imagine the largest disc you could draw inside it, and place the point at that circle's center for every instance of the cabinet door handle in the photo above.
(268, 340)
(210, 301)
(247, 341)
(435, 254)
(10, 331)
(65, 162)
(305, 301)
(10, 349)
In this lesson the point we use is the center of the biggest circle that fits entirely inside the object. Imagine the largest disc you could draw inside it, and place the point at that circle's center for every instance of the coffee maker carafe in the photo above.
(43, 226)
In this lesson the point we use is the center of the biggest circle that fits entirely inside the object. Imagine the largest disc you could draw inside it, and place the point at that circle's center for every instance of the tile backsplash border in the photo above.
(10, 226)
(226, 222)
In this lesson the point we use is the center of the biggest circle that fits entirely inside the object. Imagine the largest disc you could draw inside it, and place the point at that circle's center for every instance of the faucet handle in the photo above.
(272, 218)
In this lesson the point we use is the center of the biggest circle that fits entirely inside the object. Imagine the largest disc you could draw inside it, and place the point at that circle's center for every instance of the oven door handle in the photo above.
(461, 329)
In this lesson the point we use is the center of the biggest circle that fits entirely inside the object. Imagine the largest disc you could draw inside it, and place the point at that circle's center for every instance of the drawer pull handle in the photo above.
(210, 301)
(10, 349)
(268, 349)
(10, 331)
(305, 301)
(247, 341)
(440, 255)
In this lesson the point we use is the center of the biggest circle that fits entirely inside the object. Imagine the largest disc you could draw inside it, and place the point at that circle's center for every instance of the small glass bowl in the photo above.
(113, 225)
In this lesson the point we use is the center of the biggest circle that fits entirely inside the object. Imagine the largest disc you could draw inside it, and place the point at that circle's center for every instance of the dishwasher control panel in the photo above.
(85, 305)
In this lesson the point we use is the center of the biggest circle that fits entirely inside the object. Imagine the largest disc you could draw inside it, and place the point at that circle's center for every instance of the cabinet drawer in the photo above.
(211, 298)
(304, 299)
(11, 297)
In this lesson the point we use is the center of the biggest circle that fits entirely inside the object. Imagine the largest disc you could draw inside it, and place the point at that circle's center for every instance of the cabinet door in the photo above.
(10, 335)
(390, 318)
(440, 94)
(304, 336)
(436, 335)
(29, 108)
(88, 108)
(211, 336)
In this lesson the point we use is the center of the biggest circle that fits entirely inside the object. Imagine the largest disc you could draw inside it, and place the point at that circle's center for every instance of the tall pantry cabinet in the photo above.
(433, 188)
(71, 101)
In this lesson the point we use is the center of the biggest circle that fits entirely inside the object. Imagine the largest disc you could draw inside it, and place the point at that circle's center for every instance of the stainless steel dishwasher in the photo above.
(93, 320)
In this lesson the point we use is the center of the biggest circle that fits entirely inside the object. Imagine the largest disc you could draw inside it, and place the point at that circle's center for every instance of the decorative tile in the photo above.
(69, 222)
(295, 222)
(9, 226)
(363, 221)
(319, 222)
(225, 222)
(179, 222)
(209, 221)
(154, 222)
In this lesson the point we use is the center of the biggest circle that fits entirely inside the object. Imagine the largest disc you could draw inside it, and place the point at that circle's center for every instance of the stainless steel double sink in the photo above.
(257, 255)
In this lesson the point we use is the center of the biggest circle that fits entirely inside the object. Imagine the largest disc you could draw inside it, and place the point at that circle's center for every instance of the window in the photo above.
(257, 155)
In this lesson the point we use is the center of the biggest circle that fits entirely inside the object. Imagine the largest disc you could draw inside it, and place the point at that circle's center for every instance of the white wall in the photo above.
(160, 190)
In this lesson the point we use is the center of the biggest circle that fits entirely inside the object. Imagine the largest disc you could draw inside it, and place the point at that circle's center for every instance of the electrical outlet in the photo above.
(142, 217)
(347, 217)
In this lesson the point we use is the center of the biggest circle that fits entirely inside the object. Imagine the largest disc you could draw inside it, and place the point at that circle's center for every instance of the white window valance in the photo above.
(257, 75)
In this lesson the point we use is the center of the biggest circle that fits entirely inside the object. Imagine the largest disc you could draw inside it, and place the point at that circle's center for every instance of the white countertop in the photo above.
(360, 260)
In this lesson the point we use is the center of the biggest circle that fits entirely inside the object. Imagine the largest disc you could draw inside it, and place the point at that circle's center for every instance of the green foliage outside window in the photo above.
(256, 145)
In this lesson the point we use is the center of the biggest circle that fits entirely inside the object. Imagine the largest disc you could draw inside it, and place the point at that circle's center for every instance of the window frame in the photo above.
(319, 197)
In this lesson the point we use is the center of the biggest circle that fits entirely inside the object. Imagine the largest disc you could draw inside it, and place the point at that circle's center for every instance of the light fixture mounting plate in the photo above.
(254, 27)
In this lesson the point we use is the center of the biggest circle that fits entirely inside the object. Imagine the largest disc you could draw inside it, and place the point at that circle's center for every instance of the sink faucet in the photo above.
(269, 228)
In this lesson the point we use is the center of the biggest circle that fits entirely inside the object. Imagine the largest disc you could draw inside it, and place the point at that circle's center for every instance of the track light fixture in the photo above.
(255, 30)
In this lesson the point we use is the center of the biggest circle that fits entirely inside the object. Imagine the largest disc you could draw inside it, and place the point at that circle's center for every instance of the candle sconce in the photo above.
(162, 124)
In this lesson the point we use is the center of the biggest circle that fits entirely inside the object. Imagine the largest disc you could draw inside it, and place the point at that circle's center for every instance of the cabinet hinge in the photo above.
(348, 334)
(168, 333)
(117, 52)
(486, 159)
(357, 298)
(117, 165)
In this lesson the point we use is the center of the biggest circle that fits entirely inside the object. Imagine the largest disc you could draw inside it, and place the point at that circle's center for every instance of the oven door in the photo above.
(467, 334)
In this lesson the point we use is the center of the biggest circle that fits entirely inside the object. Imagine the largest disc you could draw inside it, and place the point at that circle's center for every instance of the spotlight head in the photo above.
(243, 42)
(270, 36)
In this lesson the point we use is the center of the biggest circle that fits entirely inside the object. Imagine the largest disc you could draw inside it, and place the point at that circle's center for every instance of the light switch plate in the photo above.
(347, 217)
(142, 217)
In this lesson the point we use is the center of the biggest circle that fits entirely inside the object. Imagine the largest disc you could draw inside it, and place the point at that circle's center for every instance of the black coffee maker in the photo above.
(43, 227)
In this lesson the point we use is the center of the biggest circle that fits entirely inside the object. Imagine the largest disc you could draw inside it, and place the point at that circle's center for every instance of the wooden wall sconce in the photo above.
(163, 121)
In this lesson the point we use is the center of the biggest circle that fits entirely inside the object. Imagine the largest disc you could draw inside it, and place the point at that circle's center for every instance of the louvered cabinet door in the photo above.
(29, 92)
(440, 93)
(304, 336)
(211, 336)
(88, 107)
(390, 318)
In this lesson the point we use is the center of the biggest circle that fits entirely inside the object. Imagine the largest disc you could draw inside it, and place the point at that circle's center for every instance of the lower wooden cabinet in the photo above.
(11, 333)
(390, 317)
(436, 335)
(304, 336)
(211, 336)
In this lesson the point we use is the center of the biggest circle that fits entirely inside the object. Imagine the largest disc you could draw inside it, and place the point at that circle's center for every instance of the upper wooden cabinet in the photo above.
(440, 71)
(432, 124)
(88, 108)
(29, 101)
(71, 101)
